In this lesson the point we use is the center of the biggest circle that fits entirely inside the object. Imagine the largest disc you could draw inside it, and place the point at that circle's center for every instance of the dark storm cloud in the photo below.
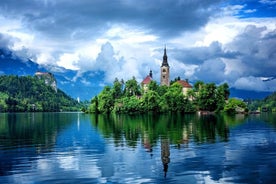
(197, 55)
(64, 18)
(257, 51)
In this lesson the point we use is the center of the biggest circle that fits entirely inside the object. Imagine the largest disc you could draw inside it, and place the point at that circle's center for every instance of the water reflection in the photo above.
(34, 129)
(28, 135)
(165, 155)
(170, 148)
(177, 128)
(173, 130)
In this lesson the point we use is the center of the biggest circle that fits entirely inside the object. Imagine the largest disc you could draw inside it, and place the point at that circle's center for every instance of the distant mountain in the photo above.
(10, 64)
(245, 94)
(84, 86)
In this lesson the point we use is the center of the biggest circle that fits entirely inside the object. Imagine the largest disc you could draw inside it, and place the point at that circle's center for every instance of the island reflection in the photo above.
(163, 131)
(178, 129)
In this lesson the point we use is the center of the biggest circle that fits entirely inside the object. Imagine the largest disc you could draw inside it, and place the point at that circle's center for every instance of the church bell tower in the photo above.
(165, 70)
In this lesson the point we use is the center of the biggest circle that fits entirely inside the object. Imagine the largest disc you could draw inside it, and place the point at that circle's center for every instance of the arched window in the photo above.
(164, 70)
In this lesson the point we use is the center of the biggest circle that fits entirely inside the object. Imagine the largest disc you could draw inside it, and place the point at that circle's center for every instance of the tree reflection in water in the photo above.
(174, 129)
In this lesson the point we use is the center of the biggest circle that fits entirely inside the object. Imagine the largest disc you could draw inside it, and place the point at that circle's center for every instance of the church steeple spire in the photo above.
(165, 58)
(165, 70)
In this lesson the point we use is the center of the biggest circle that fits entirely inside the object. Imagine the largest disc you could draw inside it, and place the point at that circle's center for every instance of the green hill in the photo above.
(28, 94)
(267, 104)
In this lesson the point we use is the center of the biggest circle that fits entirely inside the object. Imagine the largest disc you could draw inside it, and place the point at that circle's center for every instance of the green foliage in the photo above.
(198, 85)
(151, 101)
(222, 95)
(106, 100)
(207, 97)
(26, 93)
(94, 106)
(3, 98)
(127, 98)
(153, 86)
(174, 98)
(234, 105)
(132, 88)
(117, 88)
(269, 103)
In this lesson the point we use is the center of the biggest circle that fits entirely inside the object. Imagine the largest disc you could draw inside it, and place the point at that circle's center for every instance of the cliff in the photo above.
(48, 78)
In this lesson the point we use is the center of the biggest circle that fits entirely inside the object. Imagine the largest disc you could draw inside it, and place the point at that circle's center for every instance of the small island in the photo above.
(175, 95)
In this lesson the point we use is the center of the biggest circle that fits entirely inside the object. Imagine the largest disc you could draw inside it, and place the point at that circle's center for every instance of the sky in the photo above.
(210, 40)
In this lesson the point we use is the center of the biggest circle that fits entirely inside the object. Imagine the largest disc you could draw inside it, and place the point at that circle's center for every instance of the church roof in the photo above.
(184, 84)
(147, 80)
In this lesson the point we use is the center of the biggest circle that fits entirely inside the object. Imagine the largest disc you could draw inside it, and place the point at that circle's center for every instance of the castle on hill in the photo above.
(165, 76)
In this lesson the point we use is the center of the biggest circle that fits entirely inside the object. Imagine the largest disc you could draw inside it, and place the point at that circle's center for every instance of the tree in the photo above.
(233, 105)
(117, 88)
(153, 86)
(222, 94)
(162, 90)
(131, 105)
(106, 100)
(173, 98)
(198, 85)
(151, 101)
(132, 88)
(3, 105)
(94, 106)
(206, 98)
(11, 104)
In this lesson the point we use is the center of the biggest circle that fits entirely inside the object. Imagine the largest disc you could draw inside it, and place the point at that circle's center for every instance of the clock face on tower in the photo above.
(165, 75)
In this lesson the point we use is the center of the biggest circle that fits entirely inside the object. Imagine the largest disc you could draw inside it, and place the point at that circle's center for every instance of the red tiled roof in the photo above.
(184, 84)
(147, 80)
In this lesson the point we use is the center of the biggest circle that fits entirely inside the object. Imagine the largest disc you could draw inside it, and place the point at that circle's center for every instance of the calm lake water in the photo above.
(82, 148)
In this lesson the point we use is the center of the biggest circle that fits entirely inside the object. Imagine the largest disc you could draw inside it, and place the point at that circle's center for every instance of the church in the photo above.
(165, 76)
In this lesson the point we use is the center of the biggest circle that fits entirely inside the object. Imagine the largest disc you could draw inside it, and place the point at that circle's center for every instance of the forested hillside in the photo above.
(267, 104)
(27, 93)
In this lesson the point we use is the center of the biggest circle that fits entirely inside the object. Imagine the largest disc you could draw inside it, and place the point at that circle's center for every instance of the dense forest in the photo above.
(266, 104)
(129, 97)
(28, 94)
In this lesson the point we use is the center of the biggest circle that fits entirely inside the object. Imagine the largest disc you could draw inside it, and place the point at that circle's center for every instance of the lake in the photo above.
(171, 148)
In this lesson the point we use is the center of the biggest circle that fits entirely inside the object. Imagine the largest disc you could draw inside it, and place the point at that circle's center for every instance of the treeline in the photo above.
(129, 97)
(28, 94)
(266, 104)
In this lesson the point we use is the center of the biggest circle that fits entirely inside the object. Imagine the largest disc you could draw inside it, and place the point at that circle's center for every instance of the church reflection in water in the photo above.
(160, 132)
(165, 155)
(165, 151)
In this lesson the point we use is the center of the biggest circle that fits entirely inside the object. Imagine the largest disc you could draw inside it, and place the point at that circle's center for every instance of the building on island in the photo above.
(185, 86)
(146, 81)
(165, 77)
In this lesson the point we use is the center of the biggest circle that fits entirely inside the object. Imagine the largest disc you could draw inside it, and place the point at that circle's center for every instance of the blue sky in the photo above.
(211, 40)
